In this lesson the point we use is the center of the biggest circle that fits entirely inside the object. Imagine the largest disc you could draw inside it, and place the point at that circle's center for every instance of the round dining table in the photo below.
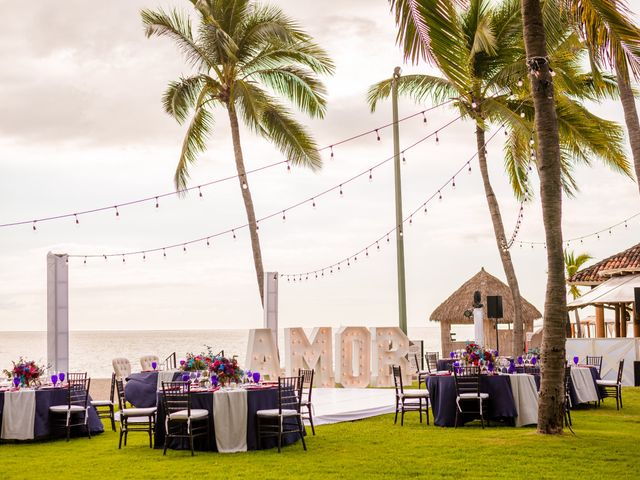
(44, 398)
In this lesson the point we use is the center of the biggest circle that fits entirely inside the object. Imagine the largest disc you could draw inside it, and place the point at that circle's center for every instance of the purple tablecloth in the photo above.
(256, 400)
(442, 390)
(47, 398)
(444, 364)
(141, 388)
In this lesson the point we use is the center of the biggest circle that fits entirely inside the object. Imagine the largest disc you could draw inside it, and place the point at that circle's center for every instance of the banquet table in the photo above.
(140, 389)
(30, 413)
(236, 429)
(513, 398)
(444, 364)
(583, 387)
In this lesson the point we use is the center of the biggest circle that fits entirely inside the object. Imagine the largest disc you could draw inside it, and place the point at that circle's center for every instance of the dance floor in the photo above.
(333, 405)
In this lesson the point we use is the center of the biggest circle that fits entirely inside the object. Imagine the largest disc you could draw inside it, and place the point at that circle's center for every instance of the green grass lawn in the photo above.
(605, 445)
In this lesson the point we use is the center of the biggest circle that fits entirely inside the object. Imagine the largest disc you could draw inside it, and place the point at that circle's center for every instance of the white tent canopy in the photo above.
(614, 290)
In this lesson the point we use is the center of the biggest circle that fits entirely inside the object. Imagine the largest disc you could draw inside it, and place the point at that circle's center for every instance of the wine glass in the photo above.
(16, 381)
(154, 365)
(185, 377)
(54, 378)
(576, 359)
(61, 377)
(249, 376)
(182, 362)
(256, 377)
(214, 381)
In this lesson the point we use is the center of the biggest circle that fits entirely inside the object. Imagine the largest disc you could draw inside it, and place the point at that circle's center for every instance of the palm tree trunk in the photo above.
(248, 202)
(630, 117)
(505, 255)
(578, 326)
(551, 403)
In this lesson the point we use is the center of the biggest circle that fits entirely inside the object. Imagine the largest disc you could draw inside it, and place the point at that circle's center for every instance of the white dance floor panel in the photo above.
(333, 405)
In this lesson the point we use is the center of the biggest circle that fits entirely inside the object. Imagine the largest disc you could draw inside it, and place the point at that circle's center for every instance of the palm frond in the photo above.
(195, 141)
(275, 55)
(181, 96)
(418, 87)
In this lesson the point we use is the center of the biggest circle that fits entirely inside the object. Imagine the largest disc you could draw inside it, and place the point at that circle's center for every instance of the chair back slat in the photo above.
(176, 396)
(307, 381)
(595, 361)
(467, 380)
(620, 370)
(78, 392)
(122, 402)
(397, 379)
(432, 361)
(289, 393)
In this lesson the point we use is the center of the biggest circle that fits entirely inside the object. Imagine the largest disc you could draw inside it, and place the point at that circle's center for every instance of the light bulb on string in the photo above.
(105, 257)
(76, 216)
(34, 226)
(404, 160)
(377, 134)
(521, 114)
(469, 165)
(400, 232)
(85, 260)
(331, 148)
(366, 252)
(117, 212)
(208, 243)
(437, 139)
(184, 248)
(425, 209)
(157, 204)
(474, 105)
(164, 253)
(520, 82)
(377, 245)
(144, 256)
(424, 118)
(284, 217)
(244, 184)
(439, 195)
(313, 202)
(453, 182)
(199, 192)
(387, 238)
(288, 167)
(234, 234)
(340, 189)
(370, 176)
(123, 260)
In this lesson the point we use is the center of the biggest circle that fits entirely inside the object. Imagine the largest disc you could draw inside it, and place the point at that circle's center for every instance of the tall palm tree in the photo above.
(245, 55)
(480, 54)
(572, 264)
(614, 42)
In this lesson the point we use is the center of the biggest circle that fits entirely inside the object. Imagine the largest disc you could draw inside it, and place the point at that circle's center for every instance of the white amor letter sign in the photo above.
(262, 353)
(300, 353)
(390, 346)
(353, 350)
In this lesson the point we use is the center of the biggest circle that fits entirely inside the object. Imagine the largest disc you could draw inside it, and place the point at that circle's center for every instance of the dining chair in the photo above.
(287, 418)
(72, 376)
(75, 412)
(146, 362)
(406, 399)
(422, 374)
(307, 389)
(181, 420)
(104, 408)
(613, 388)
(595, 362)
(431, 361)
(467, 380)
(133, 419)
(121, 367)
(567, 396)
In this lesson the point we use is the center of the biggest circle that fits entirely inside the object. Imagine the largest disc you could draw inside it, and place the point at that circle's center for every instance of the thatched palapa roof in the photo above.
(623, 263)
(452, 309)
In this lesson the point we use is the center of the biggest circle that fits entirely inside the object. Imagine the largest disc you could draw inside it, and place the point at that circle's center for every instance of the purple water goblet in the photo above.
(249, 375)
(452, 355)
(182, 362)
(520, 360)
(54, 379)
(534, 360)
(154, 365)
(214, 380)
(576, 360)
(256, 377)
(185, 377)
(16, 381)
(61, 377)
(490, 366)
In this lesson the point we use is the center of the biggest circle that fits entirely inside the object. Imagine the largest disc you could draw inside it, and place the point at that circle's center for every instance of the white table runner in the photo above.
(583, 385)
(525, 396)
(165, 376)
(18, 415)
(230, 420)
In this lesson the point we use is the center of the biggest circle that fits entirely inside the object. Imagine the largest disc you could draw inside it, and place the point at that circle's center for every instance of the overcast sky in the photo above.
(81, 126)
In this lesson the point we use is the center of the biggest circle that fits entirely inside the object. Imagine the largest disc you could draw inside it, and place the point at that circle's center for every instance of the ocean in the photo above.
(92, 351)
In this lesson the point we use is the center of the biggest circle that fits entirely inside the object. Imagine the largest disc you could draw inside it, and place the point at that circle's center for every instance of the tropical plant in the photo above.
(245, 55)
(572, 264)
(480, 55)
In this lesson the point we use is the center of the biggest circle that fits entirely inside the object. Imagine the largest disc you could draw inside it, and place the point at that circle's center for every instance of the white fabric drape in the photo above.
(583, 385)
(230, 420)
(525, 396)
(18, 415)
(165, 376)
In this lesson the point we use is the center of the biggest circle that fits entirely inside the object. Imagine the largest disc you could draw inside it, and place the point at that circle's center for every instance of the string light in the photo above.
(377, 135)
(77, 221)
(157, 204)
(117, 212)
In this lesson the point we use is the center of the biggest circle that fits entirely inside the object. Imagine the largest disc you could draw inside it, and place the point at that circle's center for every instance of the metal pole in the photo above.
(402, 293)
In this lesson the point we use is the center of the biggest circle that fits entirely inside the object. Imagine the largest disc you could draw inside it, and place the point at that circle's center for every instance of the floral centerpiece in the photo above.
(28, 371)
(226, 369)
(194, 363)
(476, 355)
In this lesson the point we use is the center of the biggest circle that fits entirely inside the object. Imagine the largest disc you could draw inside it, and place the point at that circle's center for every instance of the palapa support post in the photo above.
(58, 311)
(616, 326)
(600, 331)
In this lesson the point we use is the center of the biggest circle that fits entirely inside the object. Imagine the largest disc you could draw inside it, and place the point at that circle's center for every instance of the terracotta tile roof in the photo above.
(623, 263)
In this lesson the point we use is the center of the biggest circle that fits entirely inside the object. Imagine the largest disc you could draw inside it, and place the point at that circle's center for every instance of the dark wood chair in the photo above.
(410, 400)
(73, 376)
(567, 396)
(134, 419)
(287, 418)
(595, 362)
(181, 420)
(613, 388)
(467, 381)
(76, 411)
(104, 408)
(422, 374)
(307, 389)
(431, 359)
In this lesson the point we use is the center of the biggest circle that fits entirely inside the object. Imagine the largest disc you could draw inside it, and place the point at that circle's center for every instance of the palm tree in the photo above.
(614, 42)
(572, 264)
(245, 55)
(480, 54)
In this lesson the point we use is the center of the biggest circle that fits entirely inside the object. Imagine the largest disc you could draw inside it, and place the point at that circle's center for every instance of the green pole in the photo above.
(402, 292)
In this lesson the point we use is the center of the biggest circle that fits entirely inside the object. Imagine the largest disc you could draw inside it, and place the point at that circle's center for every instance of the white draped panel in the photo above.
(18, 415)
(612, 350)
(525, 396)
(230, 420)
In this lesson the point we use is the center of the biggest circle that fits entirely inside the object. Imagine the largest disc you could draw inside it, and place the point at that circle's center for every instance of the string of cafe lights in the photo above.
(207, 240)
(385, 238)
(597, 234)
(116, 208)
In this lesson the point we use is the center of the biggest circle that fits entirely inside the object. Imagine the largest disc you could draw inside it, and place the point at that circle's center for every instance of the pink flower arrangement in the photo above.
(28, 371)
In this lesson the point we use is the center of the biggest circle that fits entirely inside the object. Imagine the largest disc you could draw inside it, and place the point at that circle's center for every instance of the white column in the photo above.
(58, 312)
(478, 325)
(271, 301)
